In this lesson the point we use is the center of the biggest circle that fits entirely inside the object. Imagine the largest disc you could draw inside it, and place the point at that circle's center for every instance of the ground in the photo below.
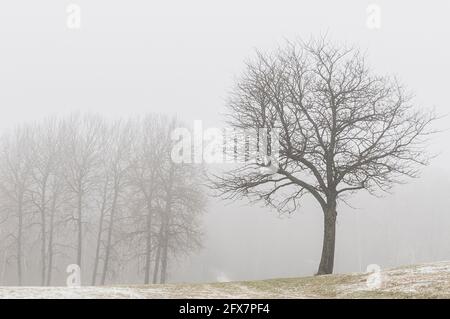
(419, 281)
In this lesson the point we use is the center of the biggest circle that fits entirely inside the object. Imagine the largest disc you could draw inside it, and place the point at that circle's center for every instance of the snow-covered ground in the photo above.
(418, 281)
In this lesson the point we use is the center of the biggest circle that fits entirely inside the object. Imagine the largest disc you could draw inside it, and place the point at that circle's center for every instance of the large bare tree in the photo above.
(341, 127)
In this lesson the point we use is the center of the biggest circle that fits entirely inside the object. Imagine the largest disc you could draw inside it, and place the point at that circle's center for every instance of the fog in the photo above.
(130, 58)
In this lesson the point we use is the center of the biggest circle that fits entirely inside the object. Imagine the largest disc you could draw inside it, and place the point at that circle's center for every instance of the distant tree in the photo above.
(166, 201)
(179, 229)
(117, 164)
(84, 140)
(15, 183)
(145, 170)
(46, 187)
(107, 191)
(342, 129)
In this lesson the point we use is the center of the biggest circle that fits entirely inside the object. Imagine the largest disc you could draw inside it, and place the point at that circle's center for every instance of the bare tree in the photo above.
(179, 225)
(57, 198)
(118, 164)
(62, 178)
(183, 202)
(341, 129)
(45, 162)
(84, 141)
(102, 204)
(144, 177)
(15, 183)
(166, 201)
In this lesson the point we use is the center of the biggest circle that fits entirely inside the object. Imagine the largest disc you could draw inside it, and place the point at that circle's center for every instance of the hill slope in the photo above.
(417, 281)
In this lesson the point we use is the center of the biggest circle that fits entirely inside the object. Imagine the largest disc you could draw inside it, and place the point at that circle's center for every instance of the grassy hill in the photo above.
(418, 281)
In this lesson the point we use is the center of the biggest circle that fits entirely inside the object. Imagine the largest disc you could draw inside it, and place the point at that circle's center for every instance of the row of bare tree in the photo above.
(103, 195)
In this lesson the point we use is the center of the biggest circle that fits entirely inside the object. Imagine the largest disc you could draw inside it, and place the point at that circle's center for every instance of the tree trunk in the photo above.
(43, 234)
(166, 219)
(97, 249)
(109, 240)
(80, 229)
(50, 242)
(164, 263)
(165, 249)
(158, 255)
(19, 245)
(3, 271)
(329, 239)
(148, 249)
(100, 233)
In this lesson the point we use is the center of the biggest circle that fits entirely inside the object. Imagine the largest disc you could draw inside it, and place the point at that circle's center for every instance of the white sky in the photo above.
(133, 57)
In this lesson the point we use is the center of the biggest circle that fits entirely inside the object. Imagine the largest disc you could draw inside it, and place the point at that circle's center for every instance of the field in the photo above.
(418, 281)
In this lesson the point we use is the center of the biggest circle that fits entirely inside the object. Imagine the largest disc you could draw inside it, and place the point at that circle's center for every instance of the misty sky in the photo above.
(181, 57)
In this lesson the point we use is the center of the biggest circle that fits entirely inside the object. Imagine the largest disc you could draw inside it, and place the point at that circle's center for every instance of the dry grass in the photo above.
(418, 281)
